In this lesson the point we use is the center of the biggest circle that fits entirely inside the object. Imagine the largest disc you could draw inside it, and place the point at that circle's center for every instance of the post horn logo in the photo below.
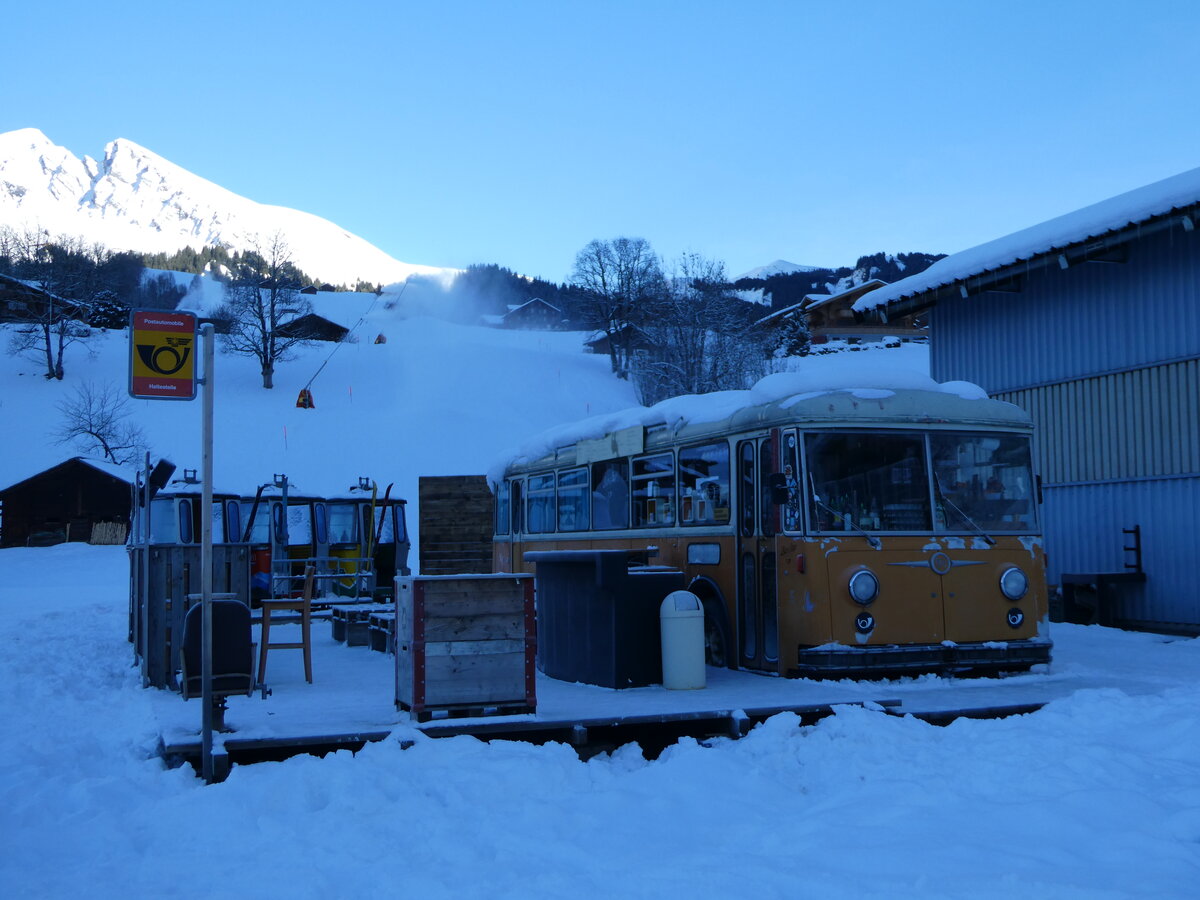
(166, 359)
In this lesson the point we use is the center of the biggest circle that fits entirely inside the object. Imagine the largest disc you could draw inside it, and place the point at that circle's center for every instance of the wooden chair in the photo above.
(302, 605)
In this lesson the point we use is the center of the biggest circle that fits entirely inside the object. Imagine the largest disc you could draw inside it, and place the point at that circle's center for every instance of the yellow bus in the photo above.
(842, 533)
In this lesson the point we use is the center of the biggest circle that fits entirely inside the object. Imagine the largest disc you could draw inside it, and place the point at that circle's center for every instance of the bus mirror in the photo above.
(777, 482)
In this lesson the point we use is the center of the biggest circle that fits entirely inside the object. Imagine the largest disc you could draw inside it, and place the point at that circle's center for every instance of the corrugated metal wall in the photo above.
(1106, 359)
(1143, 423)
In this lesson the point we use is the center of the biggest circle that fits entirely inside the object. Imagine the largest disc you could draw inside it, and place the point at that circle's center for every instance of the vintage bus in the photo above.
(828, 534)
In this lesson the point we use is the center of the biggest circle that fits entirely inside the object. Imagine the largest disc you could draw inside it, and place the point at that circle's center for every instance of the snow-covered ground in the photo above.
(1096, 795)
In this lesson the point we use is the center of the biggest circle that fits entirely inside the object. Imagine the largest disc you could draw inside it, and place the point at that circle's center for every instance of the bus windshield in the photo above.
(983, 481)
(876, 481)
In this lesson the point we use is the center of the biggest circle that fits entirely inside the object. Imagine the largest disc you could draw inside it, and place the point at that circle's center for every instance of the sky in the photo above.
(471, 132)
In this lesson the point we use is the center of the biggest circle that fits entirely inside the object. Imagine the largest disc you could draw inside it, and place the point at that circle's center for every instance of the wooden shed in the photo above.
(65, 503)
(1091, 322)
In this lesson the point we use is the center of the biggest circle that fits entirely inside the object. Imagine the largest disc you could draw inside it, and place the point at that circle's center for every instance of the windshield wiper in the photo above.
(871, 539)
(962, 515)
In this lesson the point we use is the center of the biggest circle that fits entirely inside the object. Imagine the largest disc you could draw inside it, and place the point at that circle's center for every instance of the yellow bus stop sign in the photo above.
(162, 355)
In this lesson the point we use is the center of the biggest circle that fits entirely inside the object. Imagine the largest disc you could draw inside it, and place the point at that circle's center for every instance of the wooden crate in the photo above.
(465, 645)
(351, 623)
(381, 629)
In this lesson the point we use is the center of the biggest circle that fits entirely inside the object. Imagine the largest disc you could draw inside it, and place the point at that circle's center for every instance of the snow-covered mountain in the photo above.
(133, 199)
(778, 267)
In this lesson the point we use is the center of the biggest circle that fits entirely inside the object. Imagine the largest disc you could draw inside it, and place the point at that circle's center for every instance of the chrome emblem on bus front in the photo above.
(939, 562)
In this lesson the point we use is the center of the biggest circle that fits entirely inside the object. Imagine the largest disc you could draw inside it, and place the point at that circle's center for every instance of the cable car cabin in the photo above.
(175, 516)
(283, 534)
(827, 534)
(364, 524)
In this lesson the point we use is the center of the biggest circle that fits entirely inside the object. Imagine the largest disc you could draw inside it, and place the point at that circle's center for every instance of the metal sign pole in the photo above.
(206, 551)
(144, 598)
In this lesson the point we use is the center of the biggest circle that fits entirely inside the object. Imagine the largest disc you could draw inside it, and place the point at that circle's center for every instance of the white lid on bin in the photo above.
(681, 604)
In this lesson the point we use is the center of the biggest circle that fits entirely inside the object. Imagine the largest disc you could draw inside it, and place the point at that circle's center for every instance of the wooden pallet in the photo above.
(470, 711)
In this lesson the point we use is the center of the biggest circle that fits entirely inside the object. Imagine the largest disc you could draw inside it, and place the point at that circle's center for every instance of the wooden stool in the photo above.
(303, 605)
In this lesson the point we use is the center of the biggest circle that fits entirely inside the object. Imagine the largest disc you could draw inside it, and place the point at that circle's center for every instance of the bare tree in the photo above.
(263, 306)
(51, 320)
(96, 418)
(75, 285)
(699, 335)
(616, 279)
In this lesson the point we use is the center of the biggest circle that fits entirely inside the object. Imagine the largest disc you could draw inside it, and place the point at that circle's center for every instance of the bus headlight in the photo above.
(864, 587)
(1013, 584)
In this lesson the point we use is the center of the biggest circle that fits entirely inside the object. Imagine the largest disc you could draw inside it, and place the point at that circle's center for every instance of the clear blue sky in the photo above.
(457, 132)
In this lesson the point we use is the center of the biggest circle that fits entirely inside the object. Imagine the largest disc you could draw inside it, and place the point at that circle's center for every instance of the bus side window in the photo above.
(541, 504)
(573, 500)
(704, 485)
(502, 511)
(610, 494)
(654, 491)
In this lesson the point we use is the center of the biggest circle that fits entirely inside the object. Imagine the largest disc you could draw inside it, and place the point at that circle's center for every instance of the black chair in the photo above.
(232, 654)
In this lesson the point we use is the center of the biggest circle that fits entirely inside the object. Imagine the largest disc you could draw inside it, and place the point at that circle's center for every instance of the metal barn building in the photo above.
(1091, 322)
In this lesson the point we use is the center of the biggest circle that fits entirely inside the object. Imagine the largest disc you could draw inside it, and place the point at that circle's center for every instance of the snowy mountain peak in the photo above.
(778, 267)
(134, 199)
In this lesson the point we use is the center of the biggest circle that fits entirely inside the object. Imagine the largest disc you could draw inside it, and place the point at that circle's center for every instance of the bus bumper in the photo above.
(882, 661)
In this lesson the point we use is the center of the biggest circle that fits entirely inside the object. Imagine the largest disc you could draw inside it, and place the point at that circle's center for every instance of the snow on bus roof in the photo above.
(865, 375)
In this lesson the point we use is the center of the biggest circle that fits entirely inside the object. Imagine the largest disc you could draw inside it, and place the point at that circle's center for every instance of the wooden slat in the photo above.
(487, 628)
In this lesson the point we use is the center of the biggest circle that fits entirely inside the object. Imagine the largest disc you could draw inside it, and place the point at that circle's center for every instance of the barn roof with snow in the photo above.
(1083, 231)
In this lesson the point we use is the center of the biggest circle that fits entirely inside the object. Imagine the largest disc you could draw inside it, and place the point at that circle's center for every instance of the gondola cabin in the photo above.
(285, 527)
(176, 511)
(366, 524)
(827, 533)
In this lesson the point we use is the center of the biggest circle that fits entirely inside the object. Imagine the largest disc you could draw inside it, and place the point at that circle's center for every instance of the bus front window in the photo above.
(874, 481)
(984, 482)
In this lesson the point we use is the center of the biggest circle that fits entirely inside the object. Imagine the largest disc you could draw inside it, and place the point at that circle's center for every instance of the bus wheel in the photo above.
(714, 643)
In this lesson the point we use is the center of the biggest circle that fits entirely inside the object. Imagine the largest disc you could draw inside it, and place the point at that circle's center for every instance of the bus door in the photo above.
(757, 525)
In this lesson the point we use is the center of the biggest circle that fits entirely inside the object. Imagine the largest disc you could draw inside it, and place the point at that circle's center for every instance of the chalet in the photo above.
(831, 317)
(65, 503)
(601, 342)
(313, 327)
(334, 315)
(24, 301)
(534, 314)
(1091, 322)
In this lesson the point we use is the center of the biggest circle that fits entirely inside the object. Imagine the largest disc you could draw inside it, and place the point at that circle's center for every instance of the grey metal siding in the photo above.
(1083, 534)
(1088, 319)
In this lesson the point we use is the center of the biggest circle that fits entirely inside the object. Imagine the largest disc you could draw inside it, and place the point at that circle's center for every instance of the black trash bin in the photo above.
(597, 616)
